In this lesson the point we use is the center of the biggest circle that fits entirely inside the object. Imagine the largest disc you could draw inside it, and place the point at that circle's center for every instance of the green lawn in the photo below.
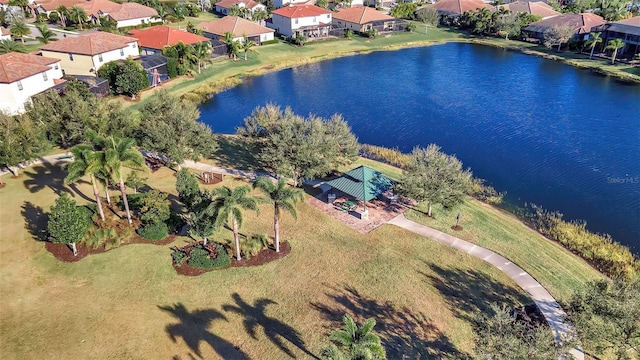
(128, 302)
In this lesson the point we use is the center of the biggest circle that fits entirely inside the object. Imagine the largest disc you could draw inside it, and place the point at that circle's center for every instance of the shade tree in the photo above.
(67, 222)
(435, 177)
(21, 140)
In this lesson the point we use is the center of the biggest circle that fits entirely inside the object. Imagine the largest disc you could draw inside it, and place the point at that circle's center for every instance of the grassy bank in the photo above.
(130, 303)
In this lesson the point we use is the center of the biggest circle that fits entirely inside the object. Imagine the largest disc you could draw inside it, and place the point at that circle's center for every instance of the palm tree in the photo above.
(19, 29)
(282, 197)
(7, 46)
(113, 155)
(259, 16)
(64, 14)
(22, 4)
(84, 163)
(594, 39)
(201, 53)
(228, 206)
(353, 343)
(232, 45)
(247, 45)
(46, 35)
(78, 15)
(614, 45)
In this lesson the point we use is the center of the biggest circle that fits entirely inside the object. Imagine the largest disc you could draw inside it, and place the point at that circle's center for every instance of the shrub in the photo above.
(172, 67)
(252, 245)
(154, 231)
(204, 259)
(136, 201)
(179, 256)
(99, 237)
(348, 34)
(269, 42)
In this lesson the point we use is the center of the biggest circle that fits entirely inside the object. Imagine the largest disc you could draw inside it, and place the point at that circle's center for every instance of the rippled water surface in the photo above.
(544, 132)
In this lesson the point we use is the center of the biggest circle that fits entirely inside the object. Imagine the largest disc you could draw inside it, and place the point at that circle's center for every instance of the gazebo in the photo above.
(362, 183)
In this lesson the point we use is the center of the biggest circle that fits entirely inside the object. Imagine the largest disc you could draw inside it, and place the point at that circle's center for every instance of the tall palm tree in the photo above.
(228, 205)
(259, 16)
(614, 45)
(63, 12)
(7, 46)
(247, 45)
(19, 29)
(232, 45)
(282, 197)
(201, 54)
(78, 15)
(353, 343)
(594, 39)
(84, 163)
(46, 35)
(114, 154)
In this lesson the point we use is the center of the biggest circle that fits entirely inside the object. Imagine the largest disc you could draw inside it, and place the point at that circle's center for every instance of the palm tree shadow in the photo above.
(276, 330)
(36, 220)
(193, 328)
(404, 333)
(44, 176)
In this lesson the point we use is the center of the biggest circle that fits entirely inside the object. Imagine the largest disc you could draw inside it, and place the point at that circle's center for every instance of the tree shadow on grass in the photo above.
(237, 153)
(470, 291)
(193, 328)
(36, 220)
(277, 331)
(44, 176)
(405, 334)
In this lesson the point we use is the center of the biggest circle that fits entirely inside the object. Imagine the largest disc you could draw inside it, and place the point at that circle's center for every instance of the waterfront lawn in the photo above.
(130, 303)
(558, 270)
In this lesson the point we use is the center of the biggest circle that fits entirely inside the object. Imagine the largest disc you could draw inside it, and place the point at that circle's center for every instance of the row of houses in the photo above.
(583, 24)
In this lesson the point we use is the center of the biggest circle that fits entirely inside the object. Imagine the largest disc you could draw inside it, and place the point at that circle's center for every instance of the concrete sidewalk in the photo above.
(546, 303)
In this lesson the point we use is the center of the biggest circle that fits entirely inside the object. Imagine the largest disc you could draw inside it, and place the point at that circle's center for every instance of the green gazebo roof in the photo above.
(362, 183)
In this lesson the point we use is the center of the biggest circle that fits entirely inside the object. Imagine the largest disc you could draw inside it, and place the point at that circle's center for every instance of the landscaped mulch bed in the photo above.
(263, 257)
(64, 253)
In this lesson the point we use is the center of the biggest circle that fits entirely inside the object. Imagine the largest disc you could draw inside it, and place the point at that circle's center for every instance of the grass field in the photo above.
(129, 302)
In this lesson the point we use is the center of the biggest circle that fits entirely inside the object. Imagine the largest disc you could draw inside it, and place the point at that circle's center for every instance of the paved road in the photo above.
(545, 302)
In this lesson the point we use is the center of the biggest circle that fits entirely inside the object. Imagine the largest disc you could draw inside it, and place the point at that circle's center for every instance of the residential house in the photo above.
(626, 30)
(223, 6)
(99, 87)
(85, 54)
(363, 19)
(450, 10)
(25, 75)
(127, 14)
(239, 27)
(340, 4)
(152, 40)
(5, 34)
(538, 8)
(582, 23)
(284, 3)
(308, 20)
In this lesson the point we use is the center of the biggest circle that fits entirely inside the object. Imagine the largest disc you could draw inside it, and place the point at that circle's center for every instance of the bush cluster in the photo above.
(178, 256)
(609, 257)
(208, 258)
(154, 231)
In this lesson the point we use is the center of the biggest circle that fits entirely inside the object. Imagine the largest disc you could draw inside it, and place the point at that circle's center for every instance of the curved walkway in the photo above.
(552, 312)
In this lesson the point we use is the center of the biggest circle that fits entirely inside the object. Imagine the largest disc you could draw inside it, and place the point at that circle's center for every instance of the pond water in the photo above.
(544, 132)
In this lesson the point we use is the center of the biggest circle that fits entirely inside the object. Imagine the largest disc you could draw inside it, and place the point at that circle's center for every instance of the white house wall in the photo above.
(12, 99)
(288, 26)
(281, 3)
(135, 22)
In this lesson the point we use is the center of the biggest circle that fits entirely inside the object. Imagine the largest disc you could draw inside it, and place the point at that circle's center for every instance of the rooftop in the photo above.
(249, 4)
(581, 22)
(17, 66)
(157, 37)
(300, 11)
(133, 10)
(531, 7)
(235, 25)
(89, 44)
(457, 7)
(361, 15)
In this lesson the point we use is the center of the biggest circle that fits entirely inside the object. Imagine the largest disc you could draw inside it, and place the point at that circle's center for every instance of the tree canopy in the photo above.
(298, 147)
(21, 139)
(435, 177)
(67, 223)
(169, 126)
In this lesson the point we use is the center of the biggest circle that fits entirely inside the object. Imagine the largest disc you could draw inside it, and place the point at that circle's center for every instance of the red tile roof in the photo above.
(581, 22)
(531, 7)
(94, 7)
(132, 10)
(235, 25)
(89, 44)
(361, 15)
(157, 37)
(300, 11)
(634, 21)
(457, 7)
(17, 66)
(249, 4)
